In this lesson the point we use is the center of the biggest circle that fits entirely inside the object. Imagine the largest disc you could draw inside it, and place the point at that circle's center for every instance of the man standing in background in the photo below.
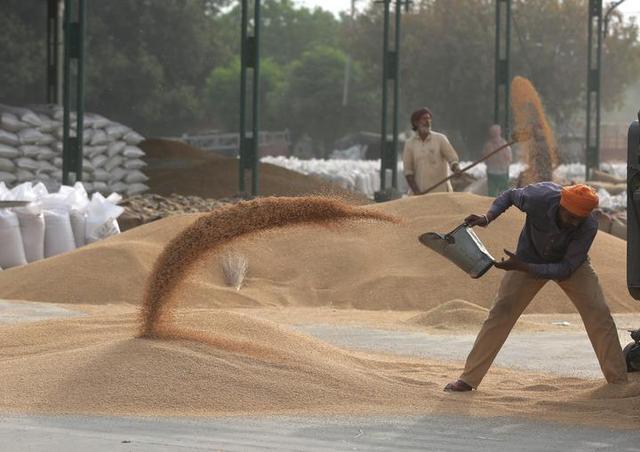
(498, 163)
(427, 156)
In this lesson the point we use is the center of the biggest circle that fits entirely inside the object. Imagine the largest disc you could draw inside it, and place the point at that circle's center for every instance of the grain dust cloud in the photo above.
(540, 150)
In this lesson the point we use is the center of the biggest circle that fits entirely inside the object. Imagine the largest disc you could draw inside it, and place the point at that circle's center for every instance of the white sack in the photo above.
(99, 160)
(30, 136)
(27, 164)
(117, 174)
(135, 176)
(9, 178)
(101, 175)
(46, 154)
(116, 131)
(118, 187)
(133, 152)
(58, 237)
(9, 138)
(134, 164)
(10, 122)
(99, 137)
(135, 189)
(32, 227)
(7, 165)
(78, 225)
(101, 217)
(133, 138)
(114, 161)
(8, 152)
(116, 148)
(24, 175)
(11, 251)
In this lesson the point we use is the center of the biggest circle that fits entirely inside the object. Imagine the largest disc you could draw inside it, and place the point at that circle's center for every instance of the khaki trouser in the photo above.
(516, 292)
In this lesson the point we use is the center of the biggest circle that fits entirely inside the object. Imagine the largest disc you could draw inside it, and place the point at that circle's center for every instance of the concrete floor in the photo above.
(375, 433)
(562, 353)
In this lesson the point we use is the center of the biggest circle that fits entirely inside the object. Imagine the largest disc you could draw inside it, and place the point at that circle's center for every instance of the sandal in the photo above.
(458, 386)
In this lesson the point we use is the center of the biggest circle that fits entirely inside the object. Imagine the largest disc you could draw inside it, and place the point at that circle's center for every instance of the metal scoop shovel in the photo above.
(462, 247)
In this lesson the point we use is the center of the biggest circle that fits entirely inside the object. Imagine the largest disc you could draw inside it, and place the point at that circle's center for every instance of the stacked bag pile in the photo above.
(53, 223)
(31, 150)
(361, 176)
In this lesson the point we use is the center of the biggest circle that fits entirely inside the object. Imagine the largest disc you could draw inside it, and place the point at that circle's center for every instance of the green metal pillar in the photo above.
(502, 87)
(593, 87)
(54, 87)
(390, 72)
(393, 151)
(250, 59)
(74, 32)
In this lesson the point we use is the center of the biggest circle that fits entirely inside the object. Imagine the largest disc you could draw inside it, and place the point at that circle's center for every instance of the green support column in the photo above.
(74, 32)
(390, 71)
(502, 87)
(593, 87)
(54, 87)
(250, 59)
(385, 76)
(393, 151)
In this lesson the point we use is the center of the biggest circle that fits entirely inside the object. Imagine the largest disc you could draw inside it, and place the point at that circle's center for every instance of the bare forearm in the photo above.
(411, 180)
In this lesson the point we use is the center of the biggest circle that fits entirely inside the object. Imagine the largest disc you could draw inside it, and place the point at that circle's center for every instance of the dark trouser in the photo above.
(516, 292)
(497, 183)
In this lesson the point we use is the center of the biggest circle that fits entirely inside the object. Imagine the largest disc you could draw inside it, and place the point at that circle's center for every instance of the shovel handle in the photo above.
(468, 167)
(449, 235)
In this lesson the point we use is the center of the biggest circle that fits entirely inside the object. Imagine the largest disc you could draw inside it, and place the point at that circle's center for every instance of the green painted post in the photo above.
(74, 31)
(385, 77)
(81, 24)
(243, 95)
(393, 152)
(250, 58)
(53, 57)
(502, 77)
(390, 71)
(593, 87)
(67, 153)
(256, 101)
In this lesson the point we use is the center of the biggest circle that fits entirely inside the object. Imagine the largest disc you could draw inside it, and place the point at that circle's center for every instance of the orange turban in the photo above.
(579, 199)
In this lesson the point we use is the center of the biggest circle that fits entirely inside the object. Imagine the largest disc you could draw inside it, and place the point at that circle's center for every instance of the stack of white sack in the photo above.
(357, 175)
(31, 150)
(364, 175)
(53, 223)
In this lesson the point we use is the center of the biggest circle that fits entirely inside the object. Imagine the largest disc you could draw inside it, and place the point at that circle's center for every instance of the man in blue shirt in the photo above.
(553, 245)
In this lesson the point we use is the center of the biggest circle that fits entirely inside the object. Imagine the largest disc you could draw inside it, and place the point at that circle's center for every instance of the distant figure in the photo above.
(427, 156)
(498, 163)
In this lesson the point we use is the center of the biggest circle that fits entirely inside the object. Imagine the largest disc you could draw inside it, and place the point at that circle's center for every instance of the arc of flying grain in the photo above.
(218, 228)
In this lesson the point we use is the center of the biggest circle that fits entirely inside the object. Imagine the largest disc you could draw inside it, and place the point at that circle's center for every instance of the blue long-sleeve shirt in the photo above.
(551, 252)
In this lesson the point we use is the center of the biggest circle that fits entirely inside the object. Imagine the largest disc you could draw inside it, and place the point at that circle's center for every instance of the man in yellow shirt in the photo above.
(427, 156)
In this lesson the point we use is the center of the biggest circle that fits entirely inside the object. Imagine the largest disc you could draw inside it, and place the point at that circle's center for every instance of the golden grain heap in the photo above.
(227, 352)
